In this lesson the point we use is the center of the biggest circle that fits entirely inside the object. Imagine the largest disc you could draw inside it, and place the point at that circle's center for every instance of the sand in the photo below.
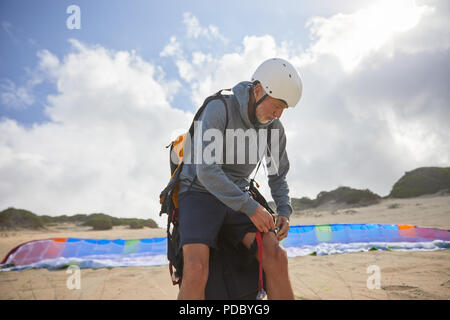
(403, 275)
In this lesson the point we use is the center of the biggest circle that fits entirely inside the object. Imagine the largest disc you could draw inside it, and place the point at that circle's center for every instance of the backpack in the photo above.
(226, 279)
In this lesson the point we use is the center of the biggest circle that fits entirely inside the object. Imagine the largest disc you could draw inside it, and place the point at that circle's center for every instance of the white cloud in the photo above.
(172, 48)
(195, 30)
(47, 60)
(207, 74)
(7, 27)
(15, 97)
(422, 143)
(103, 150)
(21, 97)
(432, 34)
(352, 37)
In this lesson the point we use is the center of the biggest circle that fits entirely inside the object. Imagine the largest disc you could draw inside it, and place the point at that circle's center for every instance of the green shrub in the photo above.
(421, 181)
(136, 225)
(150, 223)
(99, 222)
(302, 203)
(347, 195)
(12, 218)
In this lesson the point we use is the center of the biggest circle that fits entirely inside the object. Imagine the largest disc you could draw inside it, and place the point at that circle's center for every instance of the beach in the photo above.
(402, 275)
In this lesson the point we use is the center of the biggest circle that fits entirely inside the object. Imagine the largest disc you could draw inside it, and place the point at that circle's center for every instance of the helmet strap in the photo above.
(256, 104)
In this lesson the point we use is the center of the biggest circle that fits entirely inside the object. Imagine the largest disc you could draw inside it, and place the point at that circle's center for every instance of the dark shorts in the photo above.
(203, 218)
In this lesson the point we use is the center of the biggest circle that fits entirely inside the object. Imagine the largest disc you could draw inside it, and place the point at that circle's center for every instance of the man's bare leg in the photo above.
(275, 265)
(195, 272)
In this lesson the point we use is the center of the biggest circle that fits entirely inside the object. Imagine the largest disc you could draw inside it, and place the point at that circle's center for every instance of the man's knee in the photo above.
(196, 264)
(275, 256)
(196, 271)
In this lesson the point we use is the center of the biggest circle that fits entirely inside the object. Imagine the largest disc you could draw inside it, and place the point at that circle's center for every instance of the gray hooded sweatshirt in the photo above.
(228, 177)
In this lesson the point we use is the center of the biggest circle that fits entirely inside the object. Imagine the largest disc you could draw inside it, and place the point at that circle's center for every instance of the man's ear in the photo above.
(258, 91)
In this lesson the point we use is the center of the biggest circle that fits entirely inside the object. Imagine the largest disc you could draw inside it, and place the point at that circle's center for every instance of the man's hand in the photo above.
(262, 219)
(283, 225)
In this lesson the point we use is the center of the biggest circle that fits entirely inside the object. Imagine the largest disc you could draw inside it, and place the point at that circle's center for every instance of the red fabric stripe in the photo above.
(259, 242)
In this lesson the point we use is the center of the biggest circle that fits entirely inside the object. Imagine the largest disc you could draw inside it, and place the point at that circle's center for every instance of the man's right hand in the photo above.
(262, 219)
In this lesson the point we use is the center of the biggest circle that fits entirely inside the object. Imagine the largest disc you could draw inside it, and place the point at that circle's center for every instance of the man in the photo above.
(211, 195)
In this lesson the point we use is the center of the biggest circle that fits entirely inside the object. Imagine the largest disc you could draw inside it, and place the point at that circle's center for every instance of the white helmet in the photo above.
(279, 80)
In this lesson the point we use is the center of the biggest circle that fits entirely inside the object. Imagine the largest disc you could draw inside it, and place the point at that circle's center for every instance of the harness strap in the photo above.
(175, 280)
(217, 95)
(261, 292)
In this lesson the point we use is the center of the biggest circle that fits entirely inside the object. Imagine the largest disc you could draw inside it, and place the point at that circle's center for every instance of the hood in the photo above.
(242, 93)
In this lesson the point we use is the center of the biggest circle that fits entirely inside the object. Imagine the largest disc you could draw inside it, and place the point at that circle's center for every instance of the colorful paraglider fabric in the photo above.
(302, 240)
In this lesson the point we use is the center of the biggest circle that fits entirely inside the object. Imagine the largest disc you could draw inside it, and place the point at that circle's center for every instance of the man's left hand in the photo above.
(283, 227)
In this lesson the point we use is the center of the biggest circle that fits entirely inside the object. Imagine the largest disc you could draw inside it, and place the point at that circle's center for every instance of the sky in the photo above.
(90, 98)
